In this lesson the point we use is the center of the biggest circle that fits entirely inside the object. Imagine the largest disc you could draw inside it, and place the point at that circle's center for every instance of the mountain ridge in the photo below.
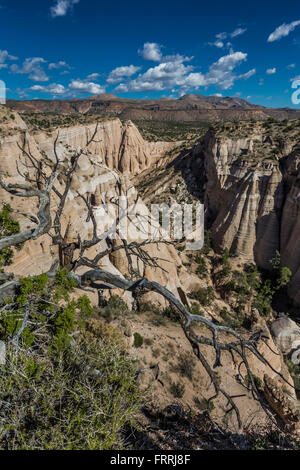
(186, 108)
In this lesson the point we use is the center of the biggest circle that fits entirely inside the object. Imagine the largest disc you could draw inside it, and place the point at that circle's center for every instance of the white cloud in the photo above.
(85, 86)
(151, 51)
(118, 74)
(22, 93)
(248, 74)
(221, 72)
(177, 75)
(161, 77)
(59, 65)
(32, 67)
(218, 44)
(93, 76)
(76, 87)
(4, 56)
(238, 32)
(291, 66)
(176, 58)
(53, 89)
(62, 7)
(283, 30)
(271, 71)
(221, 36)
(261, 82)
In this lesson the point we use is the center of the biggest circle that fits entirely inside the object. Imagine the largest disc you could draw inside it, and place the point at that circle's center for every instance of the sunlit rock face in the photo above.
(252, 194)
(118, 145)
(244, 199)
(103, 174)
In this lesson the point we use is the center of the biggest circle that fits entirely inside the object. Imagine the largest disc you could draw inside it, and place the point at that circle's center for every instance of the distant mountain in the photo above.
(219, 102)
(187, 108)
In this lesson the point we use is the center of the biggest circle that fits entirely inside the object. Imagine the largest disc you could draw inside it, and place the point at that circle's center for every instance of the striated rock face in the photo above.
(251, 192)
(244, 198)
(118, 146)
(248, 176)
(290, 222)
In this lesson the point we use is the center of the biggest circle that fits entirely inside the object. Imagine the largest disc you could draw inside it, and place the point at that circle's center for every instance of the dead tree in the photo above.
(40, 176)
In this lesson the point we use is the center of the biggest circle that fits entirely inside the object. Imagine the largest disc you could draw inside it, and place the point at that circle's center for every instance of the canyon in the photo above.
(246, 174)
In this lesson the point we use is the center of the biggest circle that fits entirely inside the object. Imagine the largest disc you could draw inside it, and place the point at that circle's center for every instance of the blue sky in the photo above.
(135, 49)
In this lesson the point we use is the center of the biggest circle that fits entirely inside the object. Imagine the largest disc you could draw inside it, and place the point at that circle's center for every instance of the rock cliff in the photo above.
(118, 145)
(102, 174)
(252, 191)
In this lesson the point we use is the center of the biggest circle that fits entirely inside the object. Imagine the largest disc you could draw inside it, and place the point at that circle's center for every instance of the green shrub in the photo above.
(113, 308)
(201, 268)
(52, 316)
(170, 313)
(69, 383)
(186, 365)
(205, 296)
(177, 389)
(138, 340)
(81, 401)
(149, 307)
(204, 404)
(257, 381)
(207, 242)
(8, 227)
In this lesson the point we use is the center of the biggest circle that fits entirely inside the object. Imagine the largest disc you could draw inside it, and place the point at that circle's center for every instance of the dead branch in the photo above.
(43, 214)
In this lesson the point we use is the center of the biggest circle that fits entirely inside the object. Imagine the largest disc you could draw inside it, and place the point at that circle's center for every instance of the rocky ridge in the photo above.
(186, 108)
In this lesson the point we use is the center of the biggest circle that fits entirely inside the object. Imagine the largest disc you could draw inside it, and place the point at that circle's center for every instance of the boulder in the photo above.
(286, 334)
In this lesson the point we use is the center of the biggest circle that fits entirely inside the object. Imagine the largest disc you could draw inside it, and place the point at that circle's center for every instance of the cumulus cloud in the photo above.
(283, 30)
(59, 65)
(32, 67)
(221, 72)
(151, 51)
(76, 87)
(4, 56)
(271, 71)
(120, 73)
(53, 89)
(162, 77)
(178, 75)
(62, 7)
(85, 87)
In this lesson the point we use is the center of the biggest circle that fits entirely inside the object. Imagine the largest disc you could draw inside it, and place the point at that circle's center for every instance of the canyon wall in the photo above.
(252, 195)
(102, 174)
(118, 145)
